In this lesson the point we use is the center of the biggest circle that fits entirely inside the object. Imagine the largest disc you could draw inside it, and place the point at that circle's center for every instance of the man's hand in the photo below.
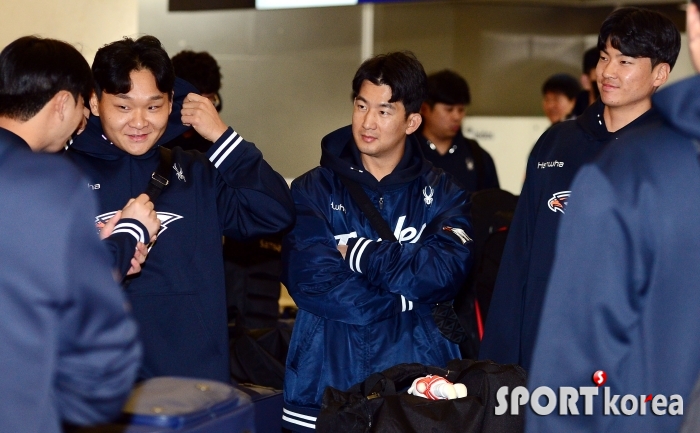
(199, 112)
(141, 208)
(343, 250)
(138, 259)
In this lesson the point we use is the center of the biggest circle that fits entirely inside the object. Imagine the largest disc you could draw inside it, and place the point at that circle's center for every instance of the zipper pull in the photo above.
(381, 203)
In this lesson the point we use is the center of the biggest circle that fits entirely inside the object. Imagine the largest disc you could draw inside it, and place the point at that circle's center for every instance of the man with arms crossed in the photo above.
(365, 303)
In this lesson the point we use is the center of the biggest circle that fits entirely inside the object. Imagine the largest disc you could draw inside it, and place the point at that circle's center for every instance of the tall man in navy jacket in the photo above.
(365, 303)
(179, 297)
(69, 349)
(623, 297)
(638, 48)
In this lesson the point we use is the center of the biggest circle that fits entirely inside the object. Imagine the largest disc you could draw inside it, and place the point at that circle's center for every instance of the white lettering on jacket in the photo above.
(408, 234)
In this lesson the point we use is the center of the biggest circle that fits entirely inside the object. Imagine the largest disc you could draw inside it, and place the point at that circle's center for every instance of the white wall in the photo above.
(87, 24)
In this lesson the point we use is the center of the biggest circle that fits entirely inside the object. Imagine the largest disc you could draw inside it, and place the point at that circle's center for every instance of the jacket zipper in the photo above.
(381, 203)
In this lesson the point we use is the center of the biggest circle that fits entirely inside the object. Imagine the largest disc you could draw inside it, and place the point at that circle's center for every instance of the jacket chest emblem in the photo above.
(428, 195)
(178, 172)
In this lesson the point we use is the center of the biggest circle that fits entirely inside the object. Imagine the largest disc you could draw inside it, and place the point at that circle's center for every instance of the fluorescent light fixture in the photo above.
(288, 4)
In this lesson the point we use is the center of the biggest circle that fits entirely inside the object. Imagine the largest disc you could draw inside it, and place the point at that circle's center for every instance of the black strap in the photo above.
(367, 207)
(161, 177)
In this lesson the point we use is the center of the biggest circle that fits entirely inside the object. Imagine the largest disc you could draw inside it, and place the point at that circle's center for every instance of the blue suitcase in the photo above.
(183, 405)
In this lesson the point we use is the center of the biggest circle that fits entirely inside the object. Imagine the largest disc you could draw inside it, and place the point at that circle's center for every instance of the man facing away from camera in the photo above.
(69, 347)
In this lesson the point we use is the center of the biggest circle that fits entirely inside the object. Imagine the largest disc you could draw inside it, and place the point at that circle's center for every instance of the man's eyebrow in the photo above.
(150, 98)
(387, 105)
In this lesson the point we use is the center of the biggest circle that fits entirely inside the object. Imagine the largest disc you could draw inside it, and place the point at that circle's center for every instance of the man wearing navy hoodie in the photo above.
(638, 48)
(179, 297)
(69, 350)
(623, 297)
(365, 303)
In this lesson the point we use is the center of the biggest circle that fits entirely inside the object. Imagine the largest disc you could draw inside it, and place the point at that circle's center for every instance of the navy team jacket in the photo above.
(179, 297)
(624, 295)
(372, 310)
(514, 314)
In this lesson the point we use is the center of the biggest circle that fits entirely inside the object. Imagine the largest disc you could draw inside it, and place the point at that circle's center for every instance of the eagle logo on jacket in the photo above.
(164, 217)
(559, 201)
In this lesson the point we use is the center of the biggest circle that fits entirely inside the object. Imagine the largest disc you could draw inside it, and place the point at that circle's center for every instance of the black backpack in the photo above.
(381, 402)
(492, 212)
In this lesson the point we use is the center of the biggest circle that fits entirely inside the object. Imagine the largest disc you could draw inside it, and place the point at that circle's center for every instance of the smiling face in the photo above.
(380, 127)
(134, 121)
(628, 82)
(557, 106)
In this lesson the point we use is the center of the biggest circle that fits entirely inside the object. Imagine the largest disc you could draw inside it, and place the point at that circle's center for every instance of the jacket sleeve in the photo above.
(122, 243)
(320, 282)
(501, 341)
(593, 299)
(99, 353)
(252, 198)
(429, 271)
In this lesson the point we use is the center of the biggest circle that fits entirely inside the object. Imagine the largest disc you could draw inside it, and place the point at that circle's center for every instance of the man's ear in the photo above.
(94, 105)
(170, 102)
(60, 102)
(661, 73)
(414, 121)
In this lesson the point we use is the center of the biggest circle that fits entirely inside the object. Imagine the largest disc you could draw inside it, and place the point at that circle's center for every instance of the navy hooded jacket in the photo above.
(514, 314)
(624, 296)
(371, 310)
(179, 297)
(68, 347)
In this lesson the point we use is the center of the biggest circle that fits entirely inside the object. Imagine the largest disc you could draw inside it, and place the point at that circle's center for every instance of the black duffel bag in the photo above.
(381, 403)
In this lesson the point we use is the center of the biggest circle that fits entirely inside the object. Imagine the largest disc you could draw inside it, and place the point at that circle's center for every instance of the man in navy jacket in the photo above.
(623, 297)
(365, 303)
(179, 297)
(638, 48)
(69, 347)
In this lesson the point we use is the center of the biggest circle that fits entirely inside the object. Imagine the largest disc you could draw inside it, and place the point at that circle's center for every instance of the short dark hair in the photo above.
(33, 70)
(640, 33)
(447, 87)
(401, 71)
(198, 68)
(114, 63)
(562, 83)
(590, 59)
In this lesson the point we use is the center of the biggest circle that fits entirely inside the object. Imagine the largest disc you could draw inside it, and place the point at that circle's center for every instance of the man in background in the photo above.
(441, 138)
(589, 93)
(559, 94)
(69, 347)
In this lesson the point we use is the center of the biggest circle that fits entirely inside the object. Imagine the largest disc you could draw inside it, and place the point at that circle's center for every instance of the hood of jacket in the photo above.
(679, 105)
(92, 141)
(340, 154)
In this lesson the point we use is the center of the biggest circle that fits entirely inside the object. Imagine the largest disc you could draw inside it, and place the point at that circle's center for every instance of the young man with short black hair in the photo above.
(623, 297)
(69, 347)
(441, 138)
(638, 48)
(365, 303)
(179, 298)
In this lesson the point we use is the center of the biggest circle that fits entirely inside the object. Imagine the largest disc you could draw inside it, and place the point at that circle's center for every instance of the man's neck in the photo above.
(442, 145)
(380, 167)
(617, 118)
(24, 130)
